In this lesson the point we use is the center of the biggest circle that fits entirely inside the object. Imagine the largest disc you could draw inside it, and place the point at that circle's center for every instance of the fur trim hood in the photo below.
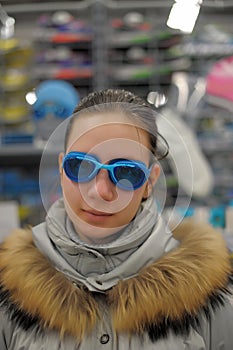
(168, 295)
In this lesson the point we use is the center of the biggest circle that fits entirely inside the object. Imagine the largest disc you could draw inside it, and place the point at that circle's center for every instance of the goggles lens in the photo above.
(126, 174)
(79, 169)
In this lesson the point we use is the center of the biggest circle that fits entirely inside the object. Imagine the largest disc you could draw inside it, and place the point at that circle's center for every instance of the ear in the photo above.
(154, 175)
(60, 158)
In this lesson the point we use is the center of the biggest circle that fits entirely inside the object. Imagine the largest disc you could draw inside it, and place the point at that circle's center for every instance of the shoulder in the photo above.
(6, 330)
(216, 327)
(17, 256)
(17, 235)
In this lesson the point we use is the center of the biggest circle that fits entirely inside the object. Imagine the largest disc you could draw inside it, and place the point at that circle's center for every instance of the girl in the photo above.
(103, 271)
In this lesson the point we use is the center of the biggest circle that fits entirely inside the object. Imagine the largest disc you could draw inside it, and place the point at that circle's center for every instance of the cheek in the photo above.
(71, 191)
(135, 202)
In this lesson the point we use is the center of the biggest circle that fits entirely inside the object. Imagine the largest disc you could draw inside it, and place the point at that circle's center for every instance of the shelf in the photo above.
(26, 155)
(47, 6)
(18, 155)
(20, 149)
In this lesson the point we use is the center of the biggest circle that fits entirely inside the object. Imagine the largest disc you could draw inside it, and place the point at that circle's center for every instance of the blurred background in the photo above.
(176, 54)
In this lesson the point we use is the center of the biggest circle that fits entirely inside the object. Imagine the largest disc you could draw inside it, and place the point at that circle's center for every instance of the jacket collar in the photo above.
(99, 267)
(180, 283)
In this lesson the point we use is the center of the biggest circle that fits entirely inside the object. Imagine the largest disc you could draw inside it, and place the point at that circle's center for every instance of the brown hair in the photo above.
(138, 110)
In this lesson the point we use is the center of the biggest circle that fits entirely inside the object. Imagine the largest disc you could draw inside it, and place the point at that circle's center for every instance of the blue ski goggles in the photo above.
(126, 174)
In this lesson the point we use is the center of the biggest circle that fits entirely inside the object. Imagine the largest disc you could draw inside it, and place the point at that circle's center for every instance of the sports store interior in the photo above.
(178, 55)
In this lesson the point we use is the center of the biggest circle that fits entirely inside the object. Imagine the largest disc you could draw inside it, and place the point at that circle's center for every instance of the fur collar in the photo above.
(170, 293)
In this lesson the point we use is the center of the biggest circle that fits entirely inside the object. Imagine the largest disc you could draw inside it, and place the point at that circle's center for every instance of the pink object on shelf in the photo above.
(219, 81)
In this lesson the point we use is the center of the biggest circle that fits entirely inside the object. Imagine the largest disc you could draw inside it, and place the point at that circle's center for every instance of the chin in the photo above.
(95, 234)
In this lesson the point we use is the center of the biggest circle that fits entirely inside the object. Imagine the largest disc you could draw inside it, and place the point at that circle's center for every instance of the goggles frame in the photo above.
(110, 167)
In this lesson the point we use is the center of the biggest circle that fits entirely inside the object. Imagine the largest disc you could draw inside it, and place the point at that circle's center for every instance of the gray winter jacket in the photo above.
(179, 301)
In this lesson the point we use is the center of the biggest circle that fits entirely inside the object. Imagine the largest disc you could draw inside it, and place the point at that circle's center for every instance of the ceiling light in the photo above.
(183, 15)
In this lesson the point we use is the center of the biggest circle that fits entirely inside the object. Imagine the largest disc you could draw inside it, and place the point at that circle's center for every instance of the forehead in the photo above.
(108, 134)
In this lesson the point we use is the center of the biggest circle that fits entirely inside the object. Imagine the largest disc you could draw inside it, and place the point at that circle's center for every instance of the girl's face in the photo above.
(99, 208)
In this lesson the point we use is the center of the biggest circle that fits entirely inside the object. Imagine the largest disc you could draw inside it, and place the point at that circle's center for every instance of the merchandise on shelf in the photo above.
(220, 217)
(219, 83)
(212, 125)
(22, 185)
(137, 52)
(18, 133)
(15, 81)
(64, 46)
(55, 101)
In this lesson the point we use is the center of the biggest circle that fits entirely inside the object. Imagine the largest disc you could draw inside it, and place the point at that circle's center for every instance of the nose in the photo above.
(103, 187)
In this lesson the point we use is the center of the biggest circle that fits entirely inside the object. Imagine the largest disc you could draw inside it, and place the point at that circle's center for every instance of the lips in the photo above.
(96, 217)
(97, 213)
